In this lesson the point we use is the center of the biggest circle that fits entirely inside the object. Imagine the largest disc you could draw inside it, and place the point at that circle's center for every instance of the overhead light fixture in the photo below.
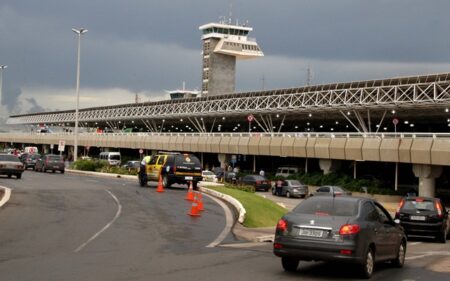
(308, 123)
(406, 122)
(348, 112)
(411, 125)
(310, 115)
(278, 115)
(337, 122)
(393, 111)
(446, 110)
(321, 126)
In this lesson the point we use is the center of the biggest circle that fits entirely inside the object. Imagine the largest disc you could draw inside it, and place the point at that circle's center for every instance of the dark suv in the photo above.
(424, 216)
(50, 162)
(173, 168)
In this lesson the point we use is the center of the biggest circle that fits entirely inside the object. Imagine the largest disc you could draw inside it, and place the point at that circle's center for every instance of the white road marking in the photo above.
(119, 211)
(228, 224)
(414, 243)
(6, 195)
(430, 253)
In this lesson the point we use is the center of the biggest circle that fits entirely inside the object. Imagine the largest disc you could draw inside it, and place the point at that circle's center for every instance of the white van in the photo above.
(113, 158)
(286, 171)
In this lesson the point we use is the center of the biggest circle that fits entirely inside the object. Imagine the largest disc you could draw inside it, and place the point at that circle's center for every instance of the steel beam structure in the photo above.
(409, 92)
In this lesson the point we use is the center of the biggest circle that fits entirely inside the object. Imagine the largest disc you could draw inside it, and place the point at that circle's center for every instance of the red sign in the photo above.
(395, 121)
(250, 118)
(141, 151)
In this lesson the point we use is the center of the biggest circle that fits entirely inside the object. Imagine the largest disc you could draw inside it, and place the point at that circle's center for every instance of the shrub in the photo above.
(89, 165)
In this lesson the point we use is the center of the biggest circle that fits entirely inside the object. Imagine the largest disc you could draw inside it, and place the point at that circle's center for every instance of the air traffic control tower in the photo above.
(222, 44)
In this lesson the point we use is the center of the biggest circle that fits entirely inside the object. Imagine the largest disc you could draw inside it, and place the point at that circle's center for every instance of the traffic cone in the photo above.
(190, 194)
(198, 198)
(160, 187)
(194, 210)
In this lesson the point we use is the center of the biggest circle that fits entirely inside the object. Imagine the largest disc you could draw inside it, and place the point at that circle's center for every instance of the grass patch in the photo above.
(261, 212)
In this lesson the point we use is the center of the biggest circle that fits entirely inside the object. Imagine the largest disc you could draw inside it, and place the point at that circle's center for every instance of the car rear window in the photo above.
(328, 207)
(11, 158)
(186, 160)
(54, 158)
(419, 205)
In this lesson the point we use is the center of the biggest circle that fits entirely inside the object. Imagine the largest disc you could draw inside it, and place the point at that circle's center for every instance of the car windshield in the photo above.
(419, 205)
(7, 157)
(328, 207)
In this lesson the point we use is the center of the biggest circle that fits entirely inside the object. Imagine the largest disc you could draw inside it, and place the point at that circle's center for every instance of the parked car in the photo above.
(226, 176)
(340, 229)
(292, 188)
(50, 162)
(11, 165)
(331, 190)
(112, 157)
(209, 176)
(259, 182)
(424, 217)
(132, 165)
(286, 171)
(29, 160)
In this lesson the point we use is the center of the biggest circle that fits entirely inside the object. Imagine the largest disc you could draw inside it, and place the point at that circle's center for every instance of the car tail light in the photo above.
(348, 229)
(277, 246)
(319, 213)
(419, 199)
(258, 182)
(400, 205)
(282, 225)
(439, 209)
(337, 193)
(346, 252)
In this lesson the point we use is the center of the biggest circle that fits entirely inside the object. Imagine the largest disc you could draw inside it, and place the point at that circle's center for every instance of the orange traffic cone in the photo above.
(194, 210)
(160, 187)
(190, 194)
(198, 198)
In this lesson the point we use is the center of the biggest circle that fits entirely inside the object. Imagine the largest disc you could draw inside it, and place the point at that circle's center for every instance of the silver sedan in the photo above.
(10, 165)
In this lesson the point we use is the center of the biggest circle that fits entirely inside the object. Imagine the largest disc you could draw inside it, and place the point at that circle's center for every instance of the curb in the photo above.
(6, 195)
(235, 203)
(106, 175)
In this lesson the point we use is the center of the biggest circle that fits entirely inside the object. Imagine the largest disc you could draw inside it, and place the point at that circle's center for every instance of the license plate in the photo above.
(188, 178)
(56, 167)
(310, 232)
(417, 218)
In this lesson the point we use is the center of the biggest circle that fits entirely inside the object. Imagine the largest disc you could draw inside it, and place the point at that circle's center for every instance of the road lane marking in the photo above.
(6, 195)
(228, 224)
(119, 211)
(414, 243)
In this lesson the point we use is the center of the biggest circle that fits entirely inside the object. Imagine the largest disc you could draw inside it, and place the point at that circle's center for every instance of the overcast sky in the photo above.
(146, 46)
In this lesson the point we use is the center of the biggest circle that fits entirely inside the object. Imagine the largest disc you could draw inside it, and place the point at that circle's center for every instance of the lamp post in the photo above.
(79, 32)
(1, 82)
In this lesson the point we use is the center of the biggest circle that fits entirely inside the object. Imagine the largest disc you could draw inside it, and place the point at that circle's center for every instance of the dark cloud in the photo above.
(151, 45)
(35, 107)
(10, 99)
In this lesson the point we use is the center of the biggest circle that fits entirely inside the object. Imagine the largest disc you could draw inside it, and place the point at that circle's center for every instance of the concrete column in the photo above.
(328, 165)
(427, 175)
(223, 159)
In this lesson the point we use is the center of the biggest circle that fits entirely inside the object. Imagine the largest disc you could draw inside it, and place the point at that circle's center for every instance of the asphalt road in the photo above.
(73, 227)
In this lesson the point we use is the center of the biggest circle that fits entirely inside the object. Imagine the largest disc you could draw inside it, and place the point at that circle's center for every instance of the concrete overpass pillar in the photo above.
(427, 175)
(222, 159)
(328, 165)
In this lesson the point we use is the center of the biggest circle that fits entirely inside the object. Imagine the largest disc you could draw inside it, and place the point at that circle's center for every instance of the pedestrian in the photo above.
(279, 187)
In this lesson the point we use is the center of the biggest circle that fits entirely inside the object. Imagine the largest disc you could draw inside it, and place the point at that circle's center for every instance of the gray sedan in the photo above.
(291, 188)
(11, 165)
(332, 190)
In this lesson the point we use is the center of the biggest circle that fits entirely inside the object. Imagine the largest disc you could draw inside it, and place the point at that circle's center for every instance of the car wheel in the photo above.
(368, 264)
(400, 260)
(166, 182)
(18, 176)
(62, 171)
(442, 237)
(288, 194)
(289, 264)
(53, 171)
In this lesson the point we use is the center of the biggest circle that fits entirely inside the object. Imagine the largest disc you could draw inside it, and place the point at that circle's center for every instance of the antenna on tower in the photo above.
(308, 76)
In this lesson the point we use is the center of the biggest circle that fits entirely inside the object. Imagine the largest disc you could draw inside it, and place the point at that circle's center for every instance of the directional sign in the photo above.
(250, 118)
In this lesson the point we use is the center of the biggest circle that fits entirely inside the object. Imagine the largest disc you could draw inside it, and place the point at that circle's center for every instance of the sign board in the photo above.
(51, 146)
(61, 145)
(141, 151)
(395, 121)
(250, 118)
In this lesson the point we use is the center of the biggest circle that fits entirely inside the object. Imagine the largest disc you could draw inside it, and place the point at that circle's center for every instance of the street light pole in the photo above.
(79, 32)
(1, 82)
